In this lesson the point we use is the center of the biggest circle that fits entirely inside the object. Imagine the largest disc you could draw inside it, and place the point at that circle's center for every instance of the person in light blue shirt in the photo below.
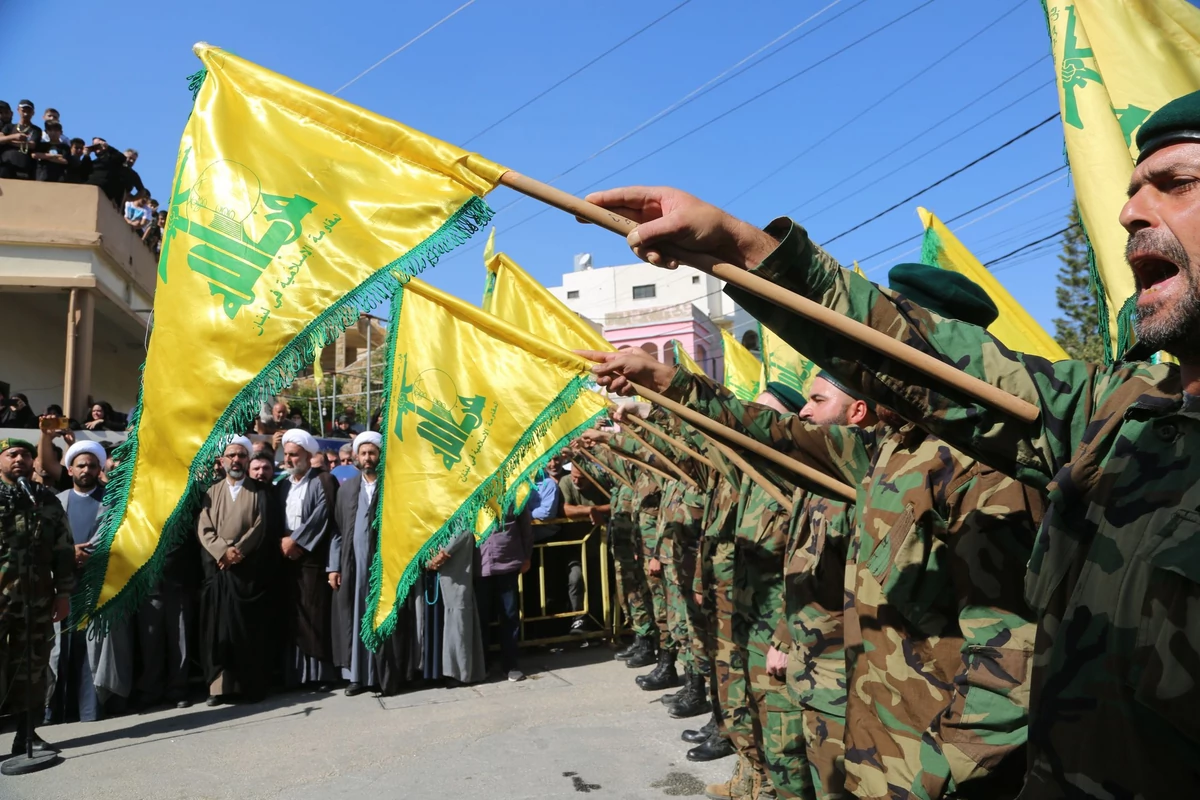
(547, 500)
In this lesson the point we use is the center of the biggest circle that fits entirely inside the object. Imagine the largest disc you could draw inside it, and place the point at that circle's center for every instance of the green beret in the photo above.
(1177, 121)
(944, 292)
(792, 400)
(857, 395)
(9, 444)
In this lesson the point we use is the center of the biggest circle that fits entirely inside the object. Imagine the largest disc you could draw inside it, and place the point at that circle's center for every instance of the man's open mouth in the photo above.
(1153, 272)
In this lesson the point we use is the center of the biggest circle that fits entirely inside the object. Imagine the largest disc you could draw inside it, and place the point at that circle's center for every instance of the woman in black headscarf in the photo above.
(18, 414)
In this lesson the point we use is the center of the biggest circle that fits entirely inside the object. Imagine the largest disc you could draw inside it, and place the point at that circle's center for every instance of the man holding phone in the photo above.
(108, 169)
(18, 142)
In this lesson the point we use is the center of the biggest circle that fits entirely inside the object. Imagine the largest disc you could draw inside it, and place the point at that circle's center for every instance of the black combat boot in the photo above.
(645, 654)
(626, 651)
(664, 675)
(716, 746)
(683, 695)
(700, 735)
(693, 701)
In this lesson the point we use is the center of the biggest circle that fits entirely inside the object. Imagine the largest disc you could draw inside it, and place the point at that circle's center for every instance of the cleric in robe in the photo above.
(85, 673)
(307, 520)
(350, 556)
(240, 562)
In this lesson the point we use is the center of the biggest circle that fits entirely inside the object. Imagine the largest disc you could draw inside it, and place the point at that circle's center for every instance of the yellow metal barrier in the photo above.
(610, 613)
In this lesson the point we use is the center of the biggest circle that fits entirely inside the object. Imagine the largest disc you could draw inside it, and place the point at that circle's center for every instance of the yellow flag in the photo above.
(783, 364)
(514, 296)
(1118, 61)
(1014, 327)
(743, 372)
(684, 360)
(291, 212)
(469, 395)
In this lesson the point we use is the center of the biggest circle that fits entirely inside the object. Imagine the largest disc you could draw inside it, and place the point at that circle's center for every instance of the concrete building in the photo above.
(76, 289)
(644, 306)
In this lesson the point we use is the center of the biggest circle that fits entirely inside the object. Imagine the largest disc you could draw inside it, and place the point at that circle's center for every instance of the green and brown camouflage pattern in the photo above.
(41, 542)
(1114, 574)
(938, 634)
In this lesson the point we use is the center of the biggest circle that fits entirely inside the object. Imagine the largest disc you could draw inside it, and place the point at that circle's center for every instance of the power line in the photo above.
(940, 181)
(948, 140)
(404, 46)
(737, 107)
(920, 135)
(761, 94)
(963, 214)
(1028, 245)
(890, 93)
(561, 81)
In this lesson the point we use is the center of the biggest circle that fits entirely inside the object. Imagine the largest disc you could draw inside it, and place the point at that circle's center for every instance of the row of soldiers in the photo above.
(952, 601)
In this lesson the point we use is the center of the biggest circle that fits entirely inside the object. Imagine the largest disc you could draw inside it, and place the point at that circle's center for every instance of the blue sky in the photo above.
(976, 74)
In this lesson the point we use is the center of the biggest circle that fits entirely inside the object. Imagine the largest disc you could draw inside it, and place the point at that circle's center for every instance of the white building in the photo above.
(603, 294)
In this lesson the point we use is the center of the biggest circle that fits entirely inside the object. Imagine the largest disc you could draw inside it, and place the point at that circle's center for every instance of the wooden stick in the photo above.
(855, 331)
(674, 467)
(604, 467)
(678, 445)
(743, 441)
(752, 473)
(591, 480)
(637, 462)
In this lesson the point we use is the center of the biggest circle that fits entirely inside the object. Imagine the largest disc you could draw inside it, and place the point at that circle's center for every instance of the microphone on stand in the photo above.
(27, 488)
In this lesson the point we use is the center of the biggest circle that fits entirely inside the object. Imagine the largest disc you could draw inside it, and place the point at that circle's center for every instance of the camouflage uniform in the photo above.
(937, 632)
(1113, 577)
(47, 543)
(632, 591)
(647, 491)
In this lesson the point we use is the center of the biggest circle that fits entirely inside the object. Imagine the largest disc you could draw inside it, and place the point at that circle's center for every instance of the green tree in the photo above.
(1078, 329)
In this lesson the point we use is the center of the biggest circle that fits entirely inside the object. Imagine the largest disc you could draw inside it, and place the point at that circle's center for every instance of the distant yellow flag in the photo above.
(1118, 61)
(514, 296)
(782, 363)
(743, 372)
(684, 360)
(468, 396)
(1014, 327)
(291, 212)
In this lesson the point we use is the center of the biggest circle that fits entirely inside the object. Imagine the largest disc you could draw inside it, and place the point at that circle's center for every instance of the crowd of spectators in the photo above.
(30, 152)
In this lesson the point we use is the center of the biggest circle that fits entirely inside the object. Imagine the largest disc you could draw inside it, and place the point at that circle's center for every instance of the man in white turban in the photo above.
(240, 563)
(86, 674)
(307, 509)
(350, 558)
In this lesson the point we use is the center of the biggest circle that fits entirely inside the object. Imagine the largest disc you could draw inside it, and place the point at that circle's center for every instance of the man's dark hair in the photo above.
(53, 126)
(4, 106)
(78, 141)
(53, 111)
(54, 410)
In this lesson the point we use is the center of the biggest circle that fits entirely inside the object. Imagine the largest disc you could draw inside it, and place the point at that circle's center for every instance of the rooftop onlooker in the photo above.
(5, 113)
(108, 169)
(133, 181)
(101, 417)
(18, 142)
(18, 414)
(153, 234)
(79, 163)
(137, 212)
(48, 116)
(51, 154)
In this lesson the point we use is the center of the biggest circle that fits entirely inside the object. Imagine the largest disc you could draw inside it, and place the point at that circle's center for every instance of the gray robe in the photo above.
(110, 659)
(462, 641)
(308, 658)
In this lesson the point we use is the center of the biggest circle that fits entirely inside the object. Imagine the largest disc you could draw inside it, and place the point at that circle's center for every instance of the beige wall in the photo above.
(33, 362)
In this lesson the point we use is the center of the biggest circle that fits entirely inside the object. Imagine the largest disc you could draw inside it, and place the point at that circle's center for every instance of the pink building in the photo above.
(654, 329)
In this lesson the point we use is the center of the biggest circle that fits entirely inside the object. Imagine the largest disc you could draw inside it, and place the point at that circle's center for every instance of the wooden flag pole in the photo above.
(698, 420)
(639, 463)
(674, 467)
(671, 440)
(604, 467)
(752, 473)
(864, 335)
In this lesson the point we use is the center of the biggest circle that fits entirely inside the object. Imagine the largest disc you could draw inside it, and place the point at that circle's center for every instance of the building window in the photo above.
(651, 348)
(643, 292)
(573, 294)
(695, 279)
